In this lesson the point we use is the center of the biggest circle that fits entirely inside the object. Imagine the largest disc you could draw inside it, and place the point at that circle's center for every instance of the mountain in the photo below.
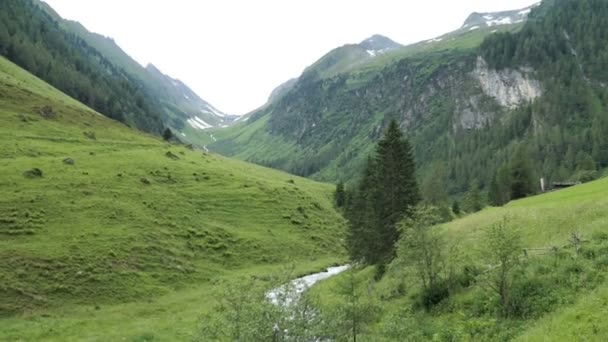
(466, 100)
(282, 90)
(350, 56)
(93, 68)
(184, 104)
(98, 221)
(184, 110)
(180, 104)
(482, 20)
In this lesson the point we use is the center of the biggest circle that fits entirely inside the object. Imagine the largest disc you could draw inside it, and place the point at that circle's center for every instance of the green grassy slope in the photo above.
(133, 220)
(567, 294)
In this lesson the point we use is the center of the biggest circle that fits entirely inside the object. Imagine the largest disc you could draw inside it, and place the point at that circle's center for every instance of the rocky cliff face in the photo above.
(511, 88)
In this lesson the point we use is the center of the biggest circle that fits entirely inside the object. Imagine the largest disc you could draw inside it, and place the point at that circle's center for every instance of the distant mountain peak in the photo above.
(481, 20)
(378, 44)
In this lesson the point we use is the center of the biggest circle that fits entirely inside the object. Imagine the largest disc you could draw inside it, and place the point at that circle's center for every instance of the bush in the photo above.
(430, 297)
(584, 176)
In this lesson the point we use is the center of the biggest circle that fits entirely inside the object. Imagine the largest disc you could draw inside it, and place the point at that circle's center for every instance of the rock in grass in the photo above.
(145, 181)
(170, 155)
(68, 161)
(90, 135)
(33, 173)
(47, 112)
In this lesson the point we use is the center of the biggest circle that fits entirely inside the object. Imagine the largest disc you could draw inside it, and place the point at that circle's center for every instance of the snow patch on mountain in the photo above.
(378, 45)
(198, 123)
(482, 20)
(434, 40)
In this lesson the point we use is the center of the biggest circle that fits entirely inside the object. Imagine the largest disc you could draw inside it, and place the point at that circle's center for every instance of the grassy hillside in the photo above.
(560, 296)
(108, 233)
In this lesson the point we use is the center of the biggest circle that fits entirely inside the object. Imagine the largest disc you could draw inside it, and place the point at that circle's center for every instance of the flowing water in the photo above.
(297, 286)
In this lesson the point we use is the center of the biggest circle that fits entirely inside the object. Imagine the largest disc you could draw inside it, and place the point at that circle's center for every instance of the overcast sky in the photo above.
(233, 53)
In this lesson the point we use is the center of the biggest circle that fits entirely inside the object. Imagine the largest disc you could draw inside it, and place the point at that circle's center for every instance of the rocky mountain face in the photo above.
(464, 105)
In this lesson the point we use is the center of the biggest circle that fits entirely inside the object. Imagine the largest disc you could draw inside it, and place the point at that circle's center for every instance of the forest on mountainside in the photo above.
(324, 127)
(31, 38)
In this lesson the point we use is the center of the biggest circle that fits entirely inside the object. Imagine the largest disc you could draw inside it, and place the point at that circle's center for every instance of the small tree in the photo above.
(500, 189)
(473, 200)
(355, 310)
(521, 175)
(340, 195)
(422, 247)
(239, 315)
(503, 245)
(246, 312)
(456, 208)
(167, 134)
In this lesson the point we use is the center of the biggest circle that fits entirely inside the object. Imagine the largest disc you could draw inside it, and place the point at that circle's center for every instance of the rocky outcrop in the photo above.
(511, 88)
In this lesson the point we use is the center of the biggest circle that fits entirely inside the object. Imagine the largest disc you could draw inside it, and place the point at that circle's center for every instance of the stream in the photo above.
(297, 286)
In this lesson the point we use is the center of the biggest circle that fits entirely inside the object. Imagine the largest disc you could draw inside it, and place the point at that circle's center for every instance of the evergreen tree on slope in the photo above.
(386, 195)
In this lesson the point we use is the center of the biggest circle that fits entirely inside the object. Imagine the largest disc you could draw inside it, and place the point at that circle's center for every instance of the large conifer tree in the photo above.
(386, 194)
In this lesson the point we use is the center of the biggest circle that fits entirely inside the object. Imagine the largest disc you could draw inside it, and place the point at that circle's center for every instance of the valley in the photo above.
(453, 189)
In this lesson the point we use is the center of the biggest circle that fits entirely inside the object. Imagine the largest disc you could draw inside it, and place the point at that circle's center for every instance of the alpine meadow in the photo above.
(450, 189)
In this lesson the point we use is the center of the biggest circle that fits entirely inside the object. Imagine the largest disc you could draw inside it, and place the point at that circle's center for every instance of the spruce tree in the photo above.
(521, 175)
(397, 186)
(387, 193)
(340, 195)
(494, 193)
(362, 234)
(167, 134)
(500, 189)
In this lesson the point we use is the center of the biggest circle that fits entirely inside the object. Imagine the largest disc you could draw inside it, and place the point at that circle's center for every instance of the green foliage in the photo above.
(456, 208)
(499, 193)
(240, 315)
(243, 312)
(423, 248)
(355, 310)
(386, 194)
(167, 134)
(340, 195)
(521, 179)
(503, 250)
(473, 200)
(554, 293)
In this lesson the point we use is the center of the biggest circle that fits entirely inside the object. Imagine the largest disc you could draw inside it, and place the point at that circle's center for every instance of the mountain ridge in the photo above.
(184, 106)
(447, 95)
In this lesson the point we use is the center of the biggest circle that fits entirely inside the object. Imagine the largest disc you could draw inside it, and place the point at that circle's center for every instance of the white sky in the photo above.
(233, 53)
